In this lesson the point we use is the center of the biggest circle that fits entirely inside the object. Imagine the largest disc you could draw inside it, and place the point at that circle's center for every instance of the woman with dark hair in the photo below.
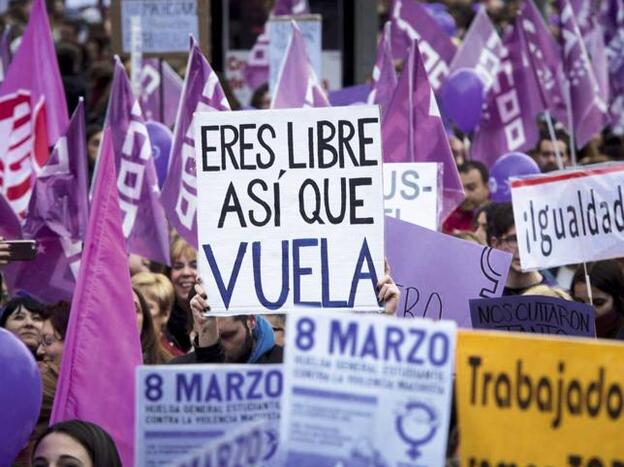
(607, 290)
(75, 443)
(53, 334)
(153, 351)
(24, 316)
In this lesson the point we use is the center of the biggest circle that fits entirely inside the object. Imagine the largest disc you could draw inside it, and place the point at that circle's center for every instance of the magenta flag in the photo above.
(412, 130)
(480, 50)
(508, 122)
(34, 69)
(161, 88)
(589, 110)
(411, 21)
(384, 75)
(102, 346)
(144, 221)
(297, 85)
(202, 92)
(544, 55)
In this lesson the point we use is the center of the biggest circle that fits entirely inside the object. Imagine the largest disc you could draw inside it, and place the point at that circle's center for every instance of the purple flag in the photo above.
(9, 222)
(351, 95)
(297, 85)
(481, 49)
(544, 55)
(160, 95)
(202, 92)
(438, 274)
(384, 75)
(589, 111)
(509, 119)
(613, 20)
(411, 21)
(412, 130)
(102, 346)
(256, 70)
(34, 68)
(144, 222)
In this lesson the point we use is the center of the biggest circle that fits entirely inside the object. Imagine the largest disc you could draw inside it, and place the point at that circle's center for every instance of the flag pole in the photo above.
(551, 132)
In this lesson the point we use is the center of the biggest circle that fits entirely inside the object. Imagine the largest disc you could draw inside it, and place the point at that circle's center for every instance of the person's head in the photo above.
(480, 222)
(183, 269)
(546, 291)
(607, 289)
(23, 317)
(236, 337)
(261, 99)
(474, 176)
(94, 136)
(75, 443)
(153, 351)
(53, 333)
(458, 149)
(158, 293)
(501, 232)
(545, 152)
(278, 323)
(137, 264)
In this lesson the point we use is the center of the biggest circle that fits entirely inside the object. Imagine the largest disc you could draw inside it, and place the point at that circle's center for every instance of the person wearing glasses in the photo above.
(501, 234)
(53, 333)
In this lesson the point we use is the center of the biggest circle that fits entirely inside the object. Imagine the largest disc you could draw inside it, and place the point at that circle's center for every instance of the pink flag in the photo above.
(102, 347)
(144, 221)
(34, 68)
(412, 130)
(202, 92)
(384, 75)
(589, 110)
(297, 85)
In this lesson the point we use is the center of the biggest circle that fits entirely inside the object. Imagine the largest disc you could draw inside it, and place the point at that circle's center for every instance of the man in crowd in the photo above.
(474, 176)
(545, 152)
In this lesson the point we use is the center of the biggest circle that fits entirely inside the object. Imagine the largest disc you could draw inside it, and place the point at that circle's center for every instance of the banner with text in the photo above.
(411, 192)
(438, 274)
(290, 209)
(534, 314)
(559, 399)
(569, 217)
(369, 389)
(179, 408)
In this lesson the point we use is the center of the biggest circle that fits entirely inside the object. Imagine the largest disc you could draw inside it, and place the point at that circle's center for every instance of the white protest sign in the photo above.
(569, 217)
(290, 209)
(411, 192)
(280, 30)
(166, 25)
(368, 389)
(181, 407)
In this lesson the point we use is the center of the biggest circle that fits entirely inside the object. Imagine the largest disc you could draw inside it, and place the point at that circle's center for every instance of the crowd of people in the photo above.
(172, 309)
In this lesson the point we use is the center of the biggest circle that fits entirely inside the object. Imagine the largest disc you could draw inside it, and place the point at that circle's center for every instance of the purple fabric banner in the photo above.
(297, 85)
(34, 68)
(438, 274)
(412, 130)
(534, 314)
(508, 122)
(352, 95)
(144, 221)
(160, 95)
(202, 92)
(9, 223)
(589, 111)
(411, 21)
(480, 50)
(384, 76)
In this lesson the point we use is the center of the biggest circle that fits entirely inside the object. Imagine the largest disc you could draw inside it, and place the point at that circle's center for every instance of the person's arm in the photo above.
(388, 293)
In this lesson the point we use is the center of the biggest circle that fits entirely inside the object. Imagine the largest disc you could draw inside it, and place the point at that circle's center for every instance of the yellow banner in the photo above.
(525, 400)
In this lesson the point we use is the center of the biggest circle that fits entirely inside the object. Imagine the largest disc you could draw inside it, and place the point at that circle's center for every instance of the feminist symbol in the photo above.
(416, 426)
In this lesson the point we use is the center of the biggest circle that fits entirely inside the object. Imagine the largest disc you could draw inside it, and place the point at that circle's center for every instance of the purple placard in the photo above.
(534, 314)
(438, 274)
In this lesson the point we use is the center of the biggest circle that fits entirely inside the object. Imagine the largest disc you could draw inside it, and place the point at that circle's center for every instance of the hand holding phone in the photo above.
(17, 250)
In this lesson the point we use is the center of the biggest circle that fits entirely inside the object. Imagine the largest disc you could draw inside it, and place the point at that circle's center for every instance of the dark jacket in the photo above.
(179, 325)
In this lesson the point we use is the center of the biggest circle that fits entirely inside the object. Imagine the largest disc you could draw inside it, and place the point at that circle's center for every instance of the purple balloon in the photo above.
(510, 165)
(161, 139)
(462, 98)
(20, 396)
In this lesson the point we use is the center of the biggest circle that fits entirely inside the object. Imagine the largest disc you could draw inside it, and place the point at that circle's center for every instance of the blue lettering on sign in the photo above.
(233, 386)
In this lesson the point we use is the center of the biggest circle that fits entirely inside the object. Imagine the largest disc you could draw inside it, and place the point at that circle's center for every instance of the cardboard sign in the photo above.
(165, 26)
(181, 407)
(559, 400)
(570, 217)
(280, 30)
(438, 274)
(411, 192)
(290, 209)
(534, 314)
(366, 390)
